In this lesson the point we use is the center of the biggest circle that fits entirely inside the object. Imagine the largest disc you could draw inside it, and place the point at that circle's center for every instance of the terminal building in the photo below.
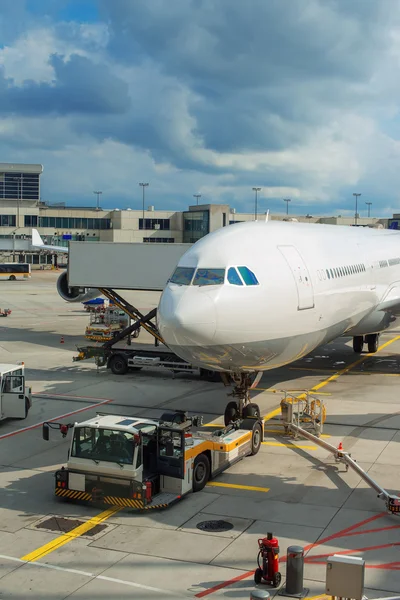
(21, 208)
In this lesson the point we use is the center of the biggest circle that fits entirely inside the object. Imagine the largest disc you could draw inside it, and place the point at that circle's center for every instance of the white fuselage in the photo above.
(313, 284)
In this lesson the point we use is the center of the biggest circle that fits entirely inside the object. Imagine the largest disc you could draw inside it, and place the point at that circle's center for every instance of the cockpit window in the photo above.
(182, 275)
(233, 277)
(248, 276)
(209, 277)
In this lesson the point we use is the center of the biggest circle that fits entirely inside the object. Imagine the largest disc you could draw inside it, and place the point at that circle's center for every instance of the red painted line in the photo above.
(353, 551)
(74, 412)
(394, 566)
(224, 584)
(67, 396)
(341, 533)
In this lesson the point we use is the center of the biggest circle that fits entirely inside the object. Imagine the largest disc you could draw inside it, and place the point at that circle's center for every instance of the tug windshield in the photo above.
(103, 444)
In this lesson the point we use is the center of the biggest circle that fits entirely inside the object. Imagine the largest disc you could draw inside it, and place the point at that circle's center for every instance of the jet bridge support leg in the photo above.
(301, 417)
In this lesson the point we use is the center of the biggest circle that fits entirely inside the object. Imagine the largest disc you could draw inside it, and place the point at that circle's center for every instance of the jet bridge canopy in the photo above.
(136, 266)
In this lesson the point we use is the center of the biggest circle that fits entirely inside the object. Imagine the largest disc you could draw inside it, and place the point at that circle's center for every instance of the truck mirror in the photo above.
(45, 432)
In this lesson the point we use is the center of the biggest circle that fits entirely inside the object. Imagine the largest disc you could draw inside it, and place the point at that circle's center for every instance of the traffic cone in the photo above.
(340, 447)
(62, 340)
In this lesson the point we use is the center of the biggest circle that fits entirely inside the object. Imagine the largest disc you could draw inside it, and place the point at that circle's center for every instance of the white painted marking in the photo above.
(74, 412)
(94, 576)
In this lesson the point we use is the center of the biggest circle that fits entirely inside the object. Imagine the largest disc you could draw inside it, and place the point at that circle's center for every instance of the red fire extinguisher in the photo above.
(268, 561)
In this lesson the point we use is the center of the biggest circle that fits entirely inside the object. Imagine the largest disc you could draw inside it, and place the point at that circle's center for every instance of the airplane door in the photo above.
(301, 276)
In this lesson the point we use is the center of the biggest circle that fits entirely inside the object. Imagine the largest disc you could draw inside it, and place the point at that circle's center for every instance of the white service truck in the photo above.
(15, 396)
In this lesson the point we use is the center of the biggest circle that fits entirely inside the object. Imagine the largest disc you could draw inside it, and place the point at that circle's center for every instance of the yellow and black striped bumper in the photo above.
(112, 500)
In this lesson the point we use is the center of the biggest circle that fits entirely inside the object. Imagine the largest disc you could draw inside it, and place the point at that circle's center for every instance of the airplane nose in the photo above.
(186, 319)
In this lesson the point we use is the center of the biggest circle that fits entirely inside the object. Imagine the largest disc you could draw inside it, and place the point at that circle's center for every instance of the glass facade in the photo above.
(24, 186)
(8, 220)
(67, 222)
(196, 224)
(154, 224)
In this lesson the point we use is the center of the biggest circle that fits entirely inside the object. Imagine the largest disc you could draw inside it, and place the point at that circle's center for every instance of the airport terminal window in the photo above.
(103, 444)
(74, 223)
(233, 277)
(248, 276)
(209, 277)
(7, 220)
(154, 224)
(31, 220)
(182, 275)
(159, 240)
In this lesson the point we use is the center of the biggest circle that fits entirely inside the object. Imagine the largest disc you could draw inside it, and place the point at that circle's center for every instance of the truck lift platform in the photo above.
(147, 464)
(120, 360)
(304, 416)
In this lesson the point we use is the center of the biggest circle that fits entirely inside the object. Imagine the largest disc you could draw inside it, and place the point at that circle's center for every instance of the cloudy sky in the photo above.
(298, 97)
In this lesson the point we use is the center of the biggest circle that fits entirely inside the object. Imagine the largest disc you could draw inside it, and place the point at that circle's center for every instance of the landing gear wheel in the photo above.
(258, 576)
(118, 365)
(277, 580)
(201, 472)
(251, 410)
(373, 343)
(231, 413)
(256, 439)
(358, 343)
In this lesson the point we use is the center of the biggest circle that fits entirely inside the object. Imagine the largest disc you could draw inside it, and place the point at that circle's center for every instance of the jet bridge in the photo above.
(305, 416)
(122, 266)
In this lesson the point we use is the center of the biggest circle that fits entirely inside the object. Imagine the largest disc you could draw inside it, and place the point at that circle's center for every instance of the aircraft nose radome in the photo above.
(186, 320)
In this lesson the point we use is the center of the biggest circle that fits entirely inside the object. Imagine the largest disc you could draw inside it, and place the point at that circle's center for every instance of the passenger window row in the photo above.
(345, 271)
(200, 277)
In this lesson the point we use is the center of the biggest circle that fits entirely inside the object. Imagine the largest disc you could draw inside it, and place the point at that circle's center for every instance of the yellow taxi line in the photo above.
(71, 535)
(237, 486)
(280, 444)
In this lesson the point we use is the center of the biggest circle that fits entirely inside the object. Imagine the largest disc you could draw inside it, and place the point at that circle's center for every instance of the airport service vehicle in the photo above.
(13, 271)
(4, 312)
(105, 322)
(15, 396)
(136, 357)
(147, 463)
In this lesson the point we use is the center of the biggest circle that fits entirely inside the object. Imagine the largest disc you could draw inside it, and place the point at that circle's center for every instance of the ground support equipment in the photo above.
(304, 417)
(147, 464)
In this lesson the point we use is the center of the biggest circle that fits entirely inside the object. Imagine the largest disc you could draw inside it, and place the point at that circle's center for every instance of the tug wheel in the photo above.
(201, 472)
(231, 413)
(256, 439)
(258, 576)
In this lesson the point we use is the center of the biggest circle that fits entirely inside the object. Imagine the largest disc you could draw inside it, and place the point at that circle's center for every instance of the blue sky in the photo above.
(298, 97)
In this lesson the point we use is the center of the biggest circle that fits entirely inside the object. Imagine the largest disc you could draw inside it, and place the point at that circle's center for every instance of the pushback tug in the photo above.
(146, 463)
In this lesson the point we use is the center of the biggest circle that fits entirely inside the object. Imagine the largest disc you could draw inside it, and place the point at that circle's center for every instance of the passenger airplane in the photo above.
(259, 295)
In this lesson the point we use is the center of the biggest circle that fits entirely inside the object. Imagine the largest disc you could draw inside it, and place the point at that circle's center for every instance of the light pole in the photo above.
(369, 207)
(98, 194)
(355, 215)
(256, 189)
(143, 186)
(197, 196)
(19, 186)
(287, 200)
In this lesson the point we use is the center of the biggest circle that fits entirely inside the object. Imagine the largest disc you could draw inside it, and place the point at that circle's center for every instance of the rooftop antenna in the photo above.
(266, 215)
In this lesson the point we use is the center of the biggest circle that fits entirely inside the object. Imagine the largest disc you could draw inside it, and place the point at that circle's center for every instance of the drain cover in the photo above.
(63, 525)
(214, 526)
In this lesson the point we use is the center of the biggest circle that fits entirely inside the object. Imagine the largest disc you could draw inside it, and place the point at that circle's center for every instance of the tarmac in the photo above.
(291, 487)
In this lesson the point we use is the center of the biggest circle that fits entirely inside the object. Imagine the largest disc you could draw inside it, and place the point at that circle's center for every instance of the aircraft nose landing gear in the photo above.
(242, 408)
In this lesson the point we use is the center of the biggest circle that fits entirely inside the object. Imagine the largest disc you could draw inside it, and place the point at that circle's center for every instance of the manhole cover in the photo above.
(214, 526)
(63, 525)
